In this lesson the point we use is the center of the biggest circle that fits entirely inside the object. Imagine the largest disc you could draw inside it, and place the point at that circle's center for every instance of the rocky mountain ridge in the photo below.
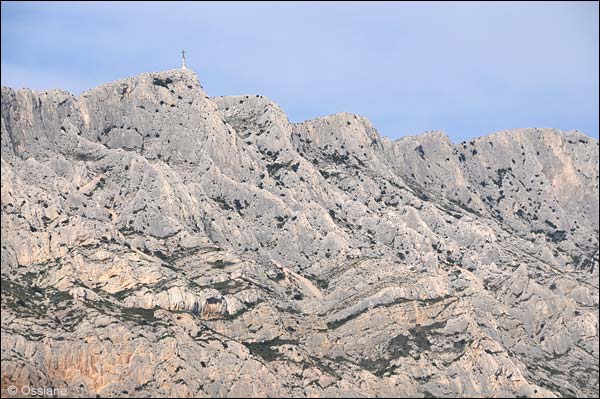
(160, 242)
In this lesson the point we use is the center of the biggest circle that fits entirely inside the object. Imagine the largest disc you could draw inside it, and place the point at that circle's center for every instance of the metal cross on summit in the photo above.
(183, 66)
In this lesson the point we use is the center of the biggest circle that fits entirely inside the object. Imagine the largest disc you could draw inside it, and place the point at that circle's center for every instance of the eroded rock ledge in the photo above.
(158, 242)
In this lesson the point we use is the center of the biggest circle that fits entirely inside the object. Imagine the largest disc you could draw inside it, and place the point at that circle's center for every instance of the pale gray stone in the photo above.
(158, 242)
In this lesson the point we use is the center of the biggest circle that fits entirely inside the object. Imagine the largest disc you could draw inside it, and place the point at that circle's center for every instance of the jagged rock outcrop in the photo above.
(158, 242)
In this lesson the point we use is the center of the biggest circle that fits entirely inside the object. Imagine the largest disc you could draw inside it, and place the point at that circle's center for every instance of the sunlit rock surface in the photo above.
(158, 242)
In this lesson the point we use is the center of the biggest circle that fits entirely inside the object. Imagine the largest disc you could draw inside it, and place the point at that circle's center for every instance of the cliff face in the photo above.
(156, 241)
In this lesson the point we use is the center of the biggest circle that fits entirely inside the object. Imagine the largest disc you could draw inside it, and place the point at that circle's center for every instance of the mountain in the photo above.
(160, 242)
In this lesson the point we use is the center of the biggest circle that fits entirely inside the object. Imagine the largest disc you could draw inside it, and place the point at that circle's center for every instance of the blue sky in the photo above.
(469, 69)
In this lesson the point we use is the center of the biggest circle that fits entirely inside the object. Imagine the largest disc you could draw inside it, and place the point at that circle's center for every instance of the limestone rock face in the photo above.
(158, 242)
